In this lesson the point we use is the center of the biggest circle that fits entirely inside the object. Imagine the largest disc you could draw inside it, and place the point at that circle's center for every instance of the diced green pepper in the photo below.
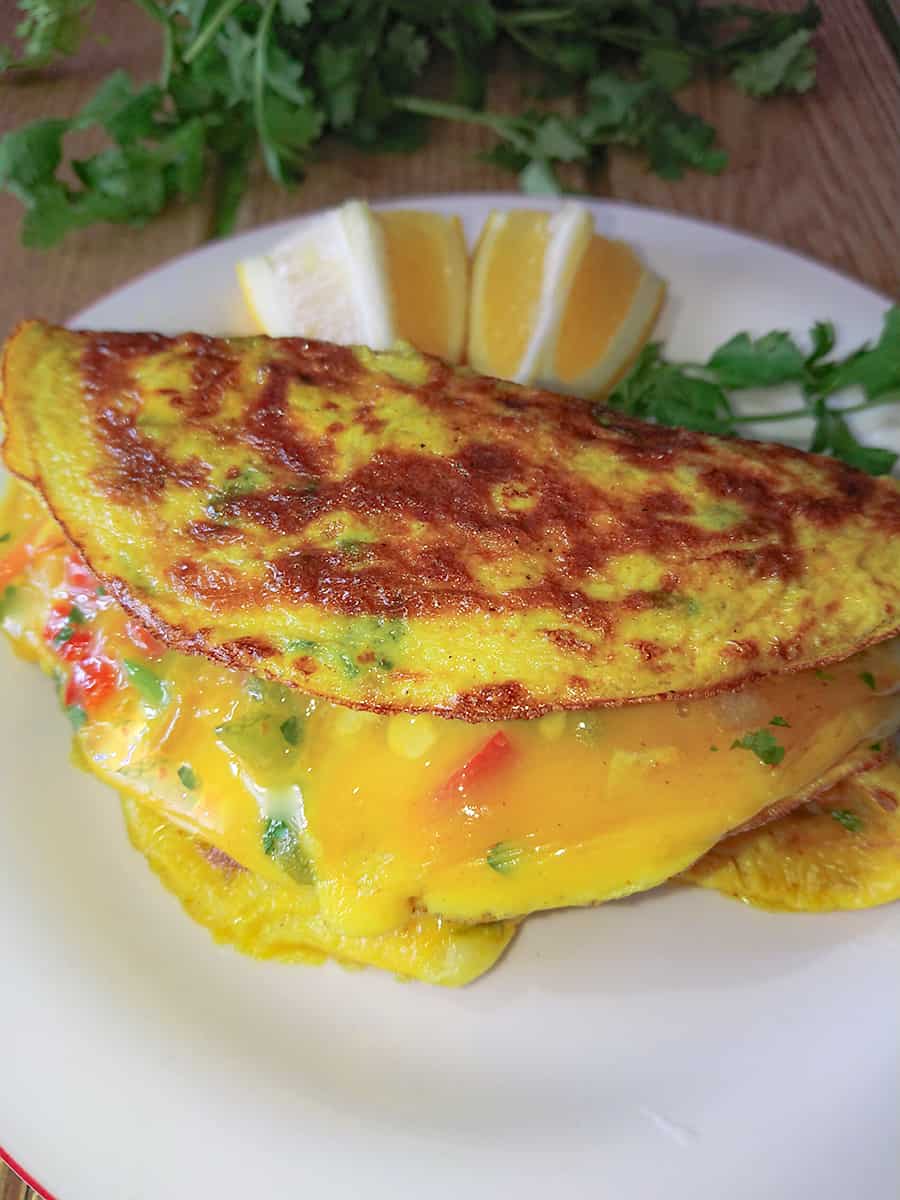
(260, 740)
(504, 857)
(77, 715)
(148, 684)
(280, 842)
(188, 777)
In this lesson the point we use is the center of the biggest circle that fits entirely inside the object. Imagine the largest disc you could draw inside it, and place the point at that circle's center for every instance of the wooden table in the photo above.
(820, 174)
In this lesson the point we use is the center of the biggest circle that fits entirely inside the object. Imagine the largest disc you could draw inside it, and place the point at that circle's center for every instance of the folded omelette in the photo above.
(384, 656)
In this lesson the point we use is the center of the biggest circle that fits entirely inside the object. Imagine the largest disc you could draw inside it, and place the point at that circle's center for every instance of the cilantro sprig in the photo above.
(241, 79)
(699, 396)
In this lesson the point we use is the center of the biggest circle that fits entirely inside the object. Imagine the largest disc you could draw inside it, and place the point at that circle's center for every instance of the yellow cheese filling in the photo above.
(390, 816)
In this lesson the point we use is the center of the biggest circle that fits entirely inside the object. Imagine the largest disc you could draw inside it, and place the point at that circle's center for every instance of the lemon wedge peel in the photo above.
(570, 230)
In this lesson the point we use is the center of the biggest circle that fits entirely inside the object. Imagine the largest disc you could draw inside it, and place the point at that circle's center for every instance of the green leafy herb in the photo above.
(744, 362)
(151, 688)
(699, 396)
(763, 744)
(77, 715)
(848, 819)
(868, 679)
(504, 857)
(789, 66)
(48, 29)
(281, 841)
(780, 721)
(271, 78)
(876, 747)
(188, 777)
(4, 537)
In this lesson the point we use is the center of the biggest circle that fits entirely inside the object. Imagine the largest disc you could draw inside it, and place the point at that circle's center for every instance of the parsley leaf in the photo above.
(788, 67)
(834, 436)
(868, 679)
(763, 744)
(664, 392)
(744, 362)
(698, 396)
(875, 369)
(780, 721)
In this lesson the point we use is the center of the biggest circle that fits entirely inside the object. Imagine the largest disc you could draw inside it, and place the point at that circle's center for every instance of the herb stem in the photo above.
(537, 16)
(168, 56)
(794, 414)
(259, 90)
(503, 126)
(211, 29)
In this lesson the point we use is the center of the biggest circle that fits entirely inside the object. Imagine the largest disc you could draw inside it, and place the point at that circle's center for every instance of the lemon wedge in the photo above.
(428, 277)
(522, 273)
(328, 280)
(612, 307)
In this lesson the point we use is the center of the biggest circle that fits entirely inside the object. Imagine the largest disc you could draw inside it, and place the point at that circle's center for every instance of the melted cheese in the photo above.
(386, 816)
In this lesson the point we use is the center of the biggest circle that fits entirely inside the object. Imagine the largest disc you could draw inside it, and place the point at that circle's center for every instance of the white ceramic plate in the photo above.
(673, 1045)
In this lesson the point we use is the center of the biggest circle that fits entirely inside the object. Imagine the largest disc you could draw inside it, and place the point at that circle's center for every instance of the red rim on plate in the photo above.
(24, 1175)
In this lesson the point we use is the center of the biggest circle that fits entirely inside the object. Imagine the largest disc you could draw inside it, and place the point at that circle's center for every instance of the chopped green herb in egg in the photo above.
(762, 743)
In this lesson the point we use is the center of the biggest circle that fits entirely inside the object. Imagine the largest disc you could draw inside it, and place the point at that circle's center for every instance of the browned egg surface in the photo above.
(391, 534)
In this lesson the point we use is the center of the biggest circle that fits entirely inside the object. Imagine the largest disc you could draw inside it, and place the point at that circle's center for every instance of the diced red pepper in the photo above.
(91, 681)
(75, 645)
(147, 642)
(15, 562)
(495, 751)
(79, 577)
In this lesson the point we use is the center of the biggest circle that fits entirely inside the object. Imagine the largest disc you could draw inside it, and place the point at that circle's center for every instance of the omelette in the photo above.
(384, 656)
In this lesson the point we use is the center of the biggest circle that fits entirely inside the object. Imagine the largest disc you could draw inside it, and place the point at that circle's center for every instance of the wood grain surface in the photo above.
(819, 173)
